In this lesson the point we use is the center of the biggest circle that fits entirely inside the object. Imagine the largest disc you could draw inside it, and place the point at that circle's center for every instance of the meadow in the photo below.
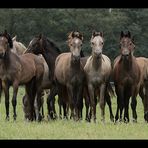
(68, 129)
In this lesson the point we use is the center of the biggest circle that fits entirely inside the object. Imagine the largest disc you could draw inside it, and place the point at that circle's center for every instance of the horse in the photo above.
(69, 75)
(126, 74)
(98, 70)
(18, 47)
(40, 44)
(15, 70)
(45, 84)
(143, 91)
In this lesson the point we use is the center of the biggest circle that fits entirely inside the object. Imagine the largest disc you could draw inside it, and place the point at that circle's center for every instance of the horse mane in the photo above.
(7, 35)
(47, 42)
(73, 34)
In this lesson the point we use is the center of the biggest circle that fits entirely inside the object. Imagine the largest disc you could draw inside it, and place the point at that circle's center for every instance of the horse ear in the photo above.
(101, 34)
(7, 35)
(129, 34)
(122, 34)
(133, 39)
(73, 34)
(93, 33)
(14, 38)
(40, 35)
(5, 32)
(81, 36)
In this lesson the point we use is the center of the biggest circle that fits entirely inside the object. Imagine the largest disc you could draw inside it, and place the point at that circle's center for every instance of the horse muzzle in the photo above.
(2, 55)
(76, 58)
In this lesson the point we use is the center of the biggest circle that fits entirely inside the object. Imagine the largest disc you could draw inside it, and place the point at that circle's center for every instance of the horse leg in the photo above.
(120, 102)
(6, 86)
(126, 113)
(108, 100)
(30, 95)
(38, 105)
(51, 103)
(72, 103)
(102, 102)
(80, 101)
(92, 101)
(14, 98)
(141, 94)
(145, 102)
(87, 103)
(134, 103)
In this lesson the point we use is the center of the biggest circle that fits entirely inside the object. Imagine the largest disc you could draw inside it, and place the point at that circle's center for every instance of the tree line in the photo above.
(57, 23)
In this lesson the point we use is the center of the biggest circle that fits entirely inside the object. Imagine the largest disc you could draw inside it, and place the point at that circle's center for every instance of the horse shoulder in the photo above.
(88, 65)
(106, 65)
(62, 67)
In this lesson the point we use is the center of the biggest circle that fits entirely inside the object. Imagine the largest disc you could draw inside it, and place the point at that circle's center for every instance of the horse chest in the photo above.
(95, 78)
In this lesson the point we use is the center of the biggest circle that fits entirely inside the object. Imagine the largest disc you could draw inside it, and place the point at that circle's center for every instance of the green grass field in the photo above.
(67, 129)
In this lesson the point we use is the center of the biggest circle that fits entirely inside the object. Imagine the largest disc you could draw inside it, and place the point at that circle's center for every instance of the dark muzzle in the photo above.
(76, 58)
(2, 55)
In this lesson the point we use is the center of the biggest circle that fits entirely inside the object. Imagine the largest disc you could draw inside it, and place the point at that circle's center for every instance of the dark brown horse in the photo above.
(69, 75)
(17, 70)
(42, 45)
(126, 74)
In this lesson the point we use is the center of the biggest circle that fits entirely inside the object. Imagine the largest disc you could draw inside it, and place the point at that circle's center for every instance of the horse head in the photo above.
(5, 43)
(126, 44)
(75, 39)
(97, 43)
(35, 45)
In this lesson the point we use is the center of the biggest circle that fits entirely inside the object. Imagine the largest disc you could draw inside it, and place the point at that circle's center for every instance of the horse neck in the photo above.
(6, 61)
(96, 62)
(50, 60)
(75, 65)
(127, 64)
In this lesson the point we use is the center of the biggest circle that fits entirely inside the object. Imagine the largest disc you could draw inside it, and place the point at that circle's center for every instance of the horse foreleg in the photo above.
(87, 103)
(92, 101)
(120, 102)
(6, 86)
(141, 93)
(38, 106)
(108, 100)
(134, 103)
(126, 114)
(14, 98)
(102, 102)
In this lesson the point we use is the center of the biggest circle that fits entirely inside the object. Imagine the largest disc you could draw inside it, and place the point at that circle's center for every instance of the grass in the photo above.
(63, 129)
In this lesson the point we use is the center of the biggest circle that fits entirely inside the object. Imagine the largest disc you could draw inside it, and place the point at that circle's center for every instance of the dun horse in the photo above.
(143, 91)
(98, 71)
(126, 78)
(69, 75)
(18, 47)
(17, 70)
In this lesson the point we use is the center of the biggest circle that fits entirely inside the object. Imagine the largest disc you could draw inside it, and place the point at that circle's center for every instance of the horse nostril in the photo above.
(2, 55)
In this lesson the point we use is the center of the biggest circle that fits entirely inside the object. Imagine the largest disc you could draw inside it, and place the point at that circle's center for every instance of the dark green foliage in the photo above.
(57, 23)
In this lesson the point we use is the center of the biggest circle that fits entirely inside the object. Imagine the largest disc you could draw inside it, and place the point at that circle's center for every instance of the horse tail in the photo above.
(110, 89)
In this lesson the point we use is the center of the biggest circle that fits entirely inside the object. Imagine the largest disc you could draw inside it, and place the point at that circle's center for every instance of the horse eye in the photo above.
(102, 43)
(92, 43)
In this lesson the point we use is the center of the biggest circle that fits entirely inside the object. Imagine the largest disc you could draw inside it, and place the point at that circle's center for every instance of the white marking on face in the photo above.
(77, 41)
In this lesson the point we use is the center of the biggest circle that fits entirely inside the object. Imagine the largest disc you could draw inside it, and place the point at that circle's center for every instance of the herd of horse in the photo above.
(75, 78)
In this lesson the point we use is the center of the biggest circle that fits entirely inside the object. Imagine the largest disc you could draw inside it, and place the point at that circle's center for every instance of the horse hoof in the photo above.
(134, 120)
(146, 116)
(7, 118)
(87, 119)
(112, 118)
